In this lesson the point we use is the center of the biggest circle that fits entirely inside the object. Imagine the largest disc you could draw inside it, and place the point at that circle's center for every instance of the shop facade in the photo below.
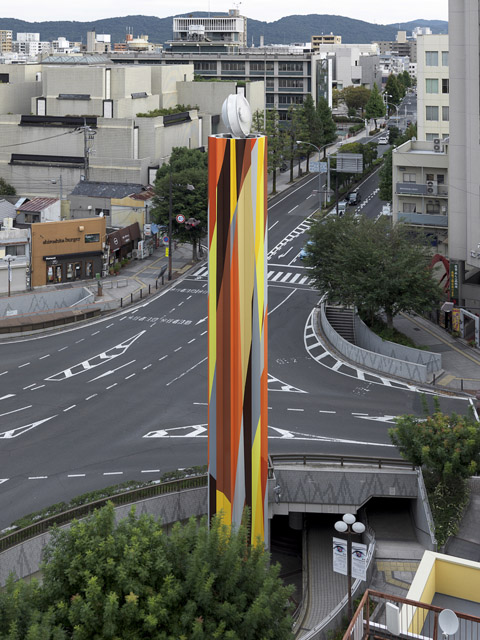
(68, 251)
(122, 242)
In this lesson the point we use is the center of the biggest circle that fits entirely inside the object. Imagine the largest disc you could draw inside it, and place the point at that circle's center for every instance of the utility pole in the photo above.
(88, 135)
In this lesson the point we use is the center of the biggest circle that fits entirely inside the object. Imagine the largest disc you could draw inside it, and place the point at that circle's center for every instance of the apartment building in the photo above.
(316, 41)
(348, 66)
(401, 46)
(6, 37)
(464, 152)
(433, 87)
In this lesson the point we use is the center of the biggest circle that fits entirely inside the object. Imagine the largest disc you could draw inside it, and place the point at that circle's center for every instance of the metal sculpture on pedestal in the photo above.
(237, 321)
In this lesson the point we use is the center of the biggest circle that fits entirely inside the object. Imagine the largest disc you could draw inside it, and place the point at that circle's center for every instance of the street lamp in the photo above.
(190, 187)
(9, 259)
(319, 174)
(349, 525)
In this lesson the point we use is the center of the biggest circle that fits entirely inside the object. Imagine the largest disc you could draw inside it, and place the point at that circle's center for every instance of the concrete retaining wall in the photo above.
(45, 302)
(366, 339)
(368, 359)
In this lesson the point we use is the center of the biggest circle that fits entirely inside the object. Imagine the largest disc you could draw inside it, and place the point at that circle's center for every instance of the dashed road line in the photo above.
(150, 471)
(3, 373)
(162, 358)
(112, 385)
(72, 406)
(92, 396)
(29, 406)
(202, 334)
(192, 340)
(109, 325)
(30, 385)
(147, 367)
(95, 332)
(23, 365)
(177, 349)
(323, 411)
(78, 341)
(40, 386)
(43, 357)
(130, 376)
(76, 475)
(37, 477)
(113, 473)
(63, 348)
(291, 409)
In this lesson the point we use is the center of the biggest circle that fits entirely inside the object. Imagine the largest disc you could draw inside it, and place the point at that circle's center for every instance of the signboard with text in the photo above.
(453, 281)
(349, 162)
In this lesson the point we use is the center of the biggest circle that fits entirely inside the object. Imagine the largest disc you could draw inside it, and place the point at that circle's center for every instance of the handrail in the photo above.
(127, 497)
(308, 458)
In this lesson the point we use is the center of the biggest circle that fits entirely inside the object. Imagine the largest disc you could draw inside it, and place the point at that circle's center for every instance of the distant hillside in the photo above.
(284, 31)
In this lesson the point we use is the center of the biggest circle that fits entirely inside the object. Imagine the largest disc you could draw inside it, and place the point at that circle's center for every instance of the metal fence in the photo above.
(312, 458)
(127, 497)
(380, 615)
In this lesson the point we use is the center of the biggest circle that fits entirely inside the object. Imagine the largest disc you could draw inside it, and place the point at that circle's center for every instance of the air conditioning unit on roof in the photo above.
(437, 145)
(432, 187)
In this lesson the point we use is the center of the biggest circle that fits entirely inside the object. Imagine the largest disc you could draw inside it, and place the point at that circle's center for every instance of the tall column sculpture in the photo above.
(237, 321)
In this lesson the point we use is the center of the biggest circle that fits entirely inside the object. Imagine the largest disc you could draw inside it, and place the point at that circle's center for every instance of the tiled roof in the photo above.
(37, 204)
(106, 189)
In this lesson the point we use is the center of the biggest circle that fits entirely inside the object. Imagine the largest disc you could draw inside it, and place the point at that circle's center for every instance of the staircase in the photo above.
(342, 321)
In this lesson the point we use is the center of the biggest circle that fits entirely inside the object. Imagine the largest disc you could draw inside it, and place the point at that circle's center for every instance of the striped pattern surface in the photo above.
(237, 331)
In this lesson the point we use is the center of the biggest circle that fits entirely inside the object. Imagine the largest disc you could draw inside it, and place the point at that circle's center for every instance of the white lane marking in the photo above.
(122, 319)
(282, 255)
(30, 385)
(113, 473)
(162, 358)
(295, 207)
(29, 406)
(92, 396)
(150, 471)
(37, 477)
(107, 373)
(273, 225)
(95, 361)
(76, 475)
(202, 320)
(72, 406)
(43, 357)
(63, 348)
(147, 367)
(95, 333)
(289, 409)
(177, 349)
(13, 433)
(280, 303)
(9, 395)
(185, 372)
(303, 280)
(295, 277)
(359, 414)
(2, 480)
(3, 373)
(189, 297)
(78, 341)
(285, 278)
(180, 304)
(277, 276)
(112, 385)
(310, 196)
(109, 325)
(365, 416)
(40, 386)
(202, 404)
(192, 340)
(320, 411)
(130, 376)
(202, 334)
(23, 365)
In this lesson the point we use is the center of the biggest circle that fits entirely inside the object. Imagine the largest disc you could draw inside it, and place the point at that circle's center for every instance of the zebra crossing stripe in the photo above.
(273, 276)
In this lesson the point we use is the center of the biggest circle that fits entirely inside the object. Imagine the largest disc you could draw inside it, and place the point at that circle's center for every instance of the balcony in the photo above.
(424, 219)
(417, 188)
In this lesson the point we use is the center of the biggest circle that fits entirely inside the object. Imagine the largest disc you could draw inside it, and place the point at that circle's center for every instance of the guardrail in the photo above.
(313, 458)
(127, 497)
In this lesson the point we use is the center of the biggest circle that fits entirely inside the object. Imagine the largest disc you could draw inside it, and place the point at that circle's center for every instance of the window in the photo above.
(445, 114)
(288, 99)
(440, 178)
(89, 269)
(233, 66)
(92, 237)
(293, 83)
(431, 85)
(70, 271)
(431, 58)
(409, 177)
(290, 66)
(431, 136)
(15, 249)
(431, 113)
(445, 85)
(205, 66)
(429, 176)
(409, 207)
(260, 66)
(270, 83)
(433, 207)
(444, 58)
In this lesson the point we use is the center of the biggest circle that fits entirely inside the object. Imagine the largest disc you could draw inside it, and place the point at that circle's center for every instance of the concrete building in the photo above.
(464, 174)
(6, 37)
(401, 46)
(433, 91)
(420, 188)
(316, 41)
(19, 84)
(14, 243)
(228, 29)
(38, 210)
(348, 66)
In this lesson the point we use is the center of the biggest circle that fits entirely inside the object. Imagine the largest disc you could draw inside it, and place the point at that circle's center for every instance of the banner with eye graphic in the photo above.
(359, 558)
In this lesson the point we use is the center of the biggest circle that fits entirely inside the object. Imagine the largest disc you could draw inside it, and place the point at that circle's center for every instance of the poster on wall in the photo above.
(359, 558)
(456, 319)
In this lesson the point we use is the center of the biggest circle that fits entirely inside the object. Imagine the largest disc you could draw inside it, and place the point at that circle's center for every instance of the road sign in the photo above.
(349, 162)
(180, 218)
(165, 240)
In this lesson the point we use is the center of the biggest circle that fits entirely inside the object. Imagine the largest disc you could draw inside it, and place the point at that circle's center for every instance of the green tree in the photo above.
(393, 90)
(407, 80)
(314, 130)
(6, 189)
(276, 146)
(296, 129)
(258, 121)
(373, 265)
(385, 173)
(447, 448)
(328, 126)
(375, 107)
(133, 581)
(187, 168)
(356, 97)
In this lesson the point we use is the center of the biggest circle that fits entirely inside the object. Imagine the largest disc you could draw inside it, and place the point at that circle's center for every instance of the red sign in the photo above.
(180, 218)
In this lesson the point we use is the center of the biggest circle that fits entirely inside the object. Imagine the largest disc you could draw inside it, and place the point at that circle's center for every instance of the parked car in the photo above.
(342, 207)
(383, 140)
(304, 250)
(354, 197)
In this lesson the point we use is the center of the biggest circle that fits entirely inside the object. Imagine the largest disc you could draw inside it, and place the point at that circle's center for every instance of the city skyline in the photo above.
(381, 13)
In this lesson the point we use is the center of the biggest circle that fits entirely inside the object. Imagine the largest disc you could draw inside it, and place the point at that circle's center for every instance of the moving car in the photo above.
(383, 140)
(304, 250)
(342, 207)
(354, 197)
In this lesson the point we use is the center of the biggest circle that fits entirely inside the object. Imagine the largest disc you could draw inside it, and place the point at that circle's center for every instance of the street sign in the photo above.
(314, 166)
(349, 162)
(323, 167)
(147, 230)
(165, 240)
(180, 218)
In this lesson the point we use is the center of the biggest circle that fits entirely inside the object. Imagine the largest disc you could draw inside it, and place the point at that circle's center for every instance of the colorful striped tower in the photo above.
(237, 330)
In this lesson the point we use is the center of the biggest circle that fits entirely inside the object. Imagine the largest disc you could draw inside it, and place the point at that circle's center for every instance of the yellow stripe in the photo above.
(224, 508)
(258, 527)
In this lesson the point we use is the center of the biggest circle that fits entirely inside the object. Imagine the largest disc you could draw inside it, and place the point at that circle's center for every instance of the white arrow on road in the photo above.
(9, 395)
(202, 320)
(195, 431)
(13, 433)
(108, 373)
(389, 419)
(282, 255)
(95, 361)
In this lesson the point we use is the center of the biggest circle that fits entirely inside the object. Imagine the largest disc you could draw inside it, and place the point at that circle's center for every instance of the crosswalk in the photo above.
(285, 277)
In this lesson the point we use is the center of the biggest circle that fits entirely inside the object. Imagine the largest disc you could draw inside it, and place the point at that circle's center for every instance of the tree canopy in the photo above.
(375, 107)
(328, 126)
(132, 581)
(6, 189)
(356, 97)
(187, 168)
(372, 265)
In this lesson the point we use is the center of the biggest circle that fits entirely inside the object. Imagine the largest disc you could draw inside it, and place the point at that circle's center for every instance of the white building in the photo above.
(464, 175)
(433, 91)
(228, 29)
(347, 67)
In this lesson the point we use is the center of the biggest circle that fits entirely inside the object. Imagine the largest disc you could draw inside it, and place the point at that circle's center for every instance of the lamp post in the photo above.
(190, 187)
(319, 174)
(9, 259)
(348, 524)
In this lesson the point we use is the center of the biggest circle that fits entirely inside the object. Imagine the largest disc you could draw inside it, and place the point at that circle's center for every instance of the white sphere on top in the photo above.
(237, 115)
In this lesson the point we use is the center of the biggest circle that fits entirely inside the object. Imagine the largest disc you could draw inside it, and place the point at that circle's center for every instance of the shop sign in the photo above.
(58, 240)
(456, 319)
(454, 281)
(147, 230)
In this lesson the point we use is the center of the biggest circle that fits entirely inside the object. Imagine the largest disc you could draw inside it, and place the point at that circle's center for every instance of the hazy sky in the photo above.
(382, 12)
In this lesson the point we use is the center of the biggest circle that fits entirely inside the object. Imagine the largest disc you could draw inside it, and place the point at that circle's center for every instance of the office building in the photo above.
(433, 87)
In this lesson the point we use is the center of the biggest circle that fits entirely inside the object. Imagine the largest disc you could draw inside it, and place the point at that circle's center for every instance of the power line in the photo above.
(19, 144)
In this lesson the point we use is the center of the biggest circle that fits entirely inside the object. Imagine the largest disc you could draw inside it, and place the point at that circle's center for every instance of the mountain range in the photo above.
(295, 28)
